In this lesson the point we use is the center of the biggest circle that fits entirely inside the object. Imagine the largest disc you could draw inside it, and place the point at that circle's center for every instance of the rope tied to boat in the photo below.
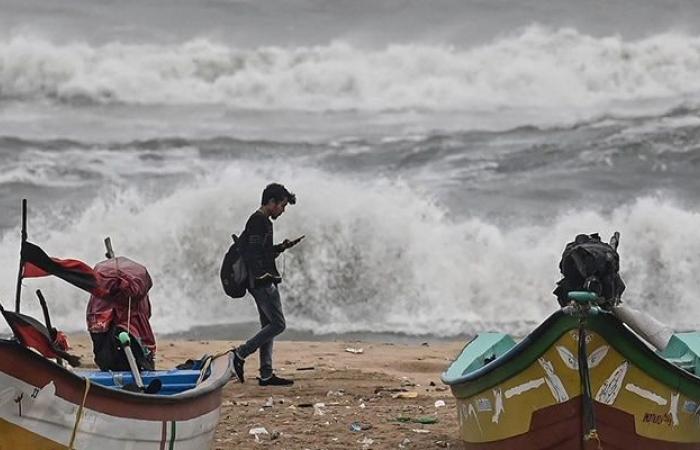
(79, 415)
(593, 434)
(589, 423)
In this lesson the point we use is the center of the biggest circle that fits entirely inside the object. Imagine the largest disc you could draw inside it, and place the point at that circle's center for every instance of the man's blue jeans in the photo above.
(269, 305)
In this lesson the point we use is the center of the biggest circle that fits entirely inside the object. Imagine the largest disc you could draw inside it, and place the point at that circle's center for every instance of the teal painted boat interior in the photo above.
(484, 348)
(683, 350)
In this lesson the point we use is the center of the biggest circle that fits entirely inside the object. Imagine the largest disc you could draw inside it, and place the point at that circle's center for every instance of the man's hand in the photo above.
(289, 244)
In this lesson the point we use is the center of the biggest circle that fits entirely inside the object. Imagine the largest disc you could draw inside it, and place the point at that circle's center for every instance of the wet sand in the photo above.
(385, 390)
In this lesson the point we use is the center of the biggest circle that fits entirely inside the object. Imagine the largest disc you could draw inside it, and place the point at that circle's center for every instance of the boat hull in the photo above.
(40, 406)
(531, 397)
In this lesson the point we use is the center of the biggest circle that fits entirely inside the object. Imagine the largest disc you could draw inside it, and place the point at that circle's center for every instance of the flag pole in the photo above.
(18, 291)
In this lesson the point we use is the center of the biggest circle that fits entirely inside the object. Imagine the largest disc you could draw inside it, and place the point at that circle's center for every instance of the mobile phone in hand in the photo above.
(296, 241)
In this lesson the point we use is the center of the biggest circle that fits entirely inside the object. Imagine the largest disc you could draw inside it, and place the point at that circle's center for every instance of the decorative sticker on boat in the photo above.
(691, 407)
(569, 359)
(647, 394)
(597, 356)
(574, 336)
(658, 419)
(498, 403)
(519, 389)
(553, 381)
(472, 412)
(484, 405)
(607, 394)
(673, 410)
(42, 401)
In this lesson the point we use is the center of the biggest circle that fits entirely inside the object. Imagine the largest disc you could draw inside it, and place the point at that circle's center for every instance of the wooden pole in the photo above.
(18, 291)
(109, 253)
(45, 310)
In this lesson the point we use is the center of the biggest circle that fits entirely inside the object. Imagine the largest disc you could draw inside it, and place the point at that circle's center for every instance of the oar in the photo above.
(126, 345)
(155, 385)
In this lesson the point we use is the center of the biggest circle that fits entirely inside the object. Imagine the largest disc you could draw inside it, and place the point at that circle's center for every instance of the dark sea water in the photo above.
(443, 153)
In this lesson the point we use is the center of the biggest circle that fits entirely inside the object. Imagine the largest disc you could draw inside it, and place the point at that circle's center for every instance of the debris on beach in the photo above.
(426, 420)
(354, 350)
(409, 394)
(423, 420)
(257, 432)
(439, 403)
(406, 382)
(366, 443)
(420, 430)
(380, 389)
(319, 409)
(360, 426)
(338, 393)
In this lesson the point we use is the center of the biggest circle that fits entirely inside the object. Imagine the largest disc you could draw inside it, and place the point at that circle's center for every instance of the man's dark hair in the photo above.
(277, 192)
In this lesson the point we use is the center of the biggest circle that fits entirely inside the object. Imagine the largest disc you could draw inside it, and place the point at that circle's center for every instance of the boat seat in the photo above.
(683, 350)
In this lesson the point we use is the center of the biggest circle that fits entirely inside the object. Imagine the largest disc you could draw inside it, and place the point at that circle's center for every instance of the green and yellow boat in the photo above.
(581, 380)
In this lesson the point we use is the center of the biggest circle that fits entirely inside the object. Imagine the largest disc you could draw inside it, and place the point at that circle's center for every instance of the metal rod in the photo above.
(18, 291)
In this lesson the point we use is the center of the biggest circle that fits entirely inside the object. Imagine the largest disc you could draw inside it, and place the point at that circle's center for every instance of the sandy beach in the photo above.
(385, 391)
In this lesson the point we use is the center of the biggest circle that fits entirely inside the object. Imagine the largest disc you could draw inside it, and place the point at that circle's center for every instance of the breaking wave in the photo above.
(379, 256)
(536, 68)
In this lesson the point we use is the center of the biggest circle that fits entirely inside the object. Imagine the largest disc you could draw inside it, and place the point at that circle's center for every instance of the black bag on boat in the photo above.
(589, 264)
(234, 273)
(109, 354)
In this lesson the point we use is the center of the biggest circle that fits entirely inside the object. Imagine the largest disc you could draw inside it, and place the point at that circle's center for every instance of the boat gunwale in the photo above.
(23, 364)
(535, 344)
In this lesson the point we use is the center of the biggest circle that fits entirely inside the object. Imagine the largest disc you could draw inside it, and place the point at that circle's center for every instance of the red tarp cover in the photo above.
(123, 279)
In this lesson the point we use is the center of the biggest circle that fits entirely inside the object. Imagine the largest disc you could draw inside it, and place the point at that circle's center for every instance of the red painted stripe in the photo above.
(31, 368)
(558, 427)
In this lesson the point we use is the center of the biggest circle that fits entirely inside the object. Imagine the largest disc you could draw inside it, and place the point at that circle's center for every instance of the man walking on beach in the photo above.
(259, 255)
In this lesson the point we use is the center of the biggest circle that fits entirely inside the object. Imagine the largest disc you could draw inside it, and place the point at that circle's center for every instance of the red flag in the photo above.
(38, 264)
(33, 334)
(32, 271)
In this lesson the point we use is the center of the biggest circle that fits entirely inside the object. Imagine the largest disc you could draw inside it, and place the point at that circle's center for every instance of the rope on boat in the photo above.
(589, 422)
(79, 415)
(593, 434)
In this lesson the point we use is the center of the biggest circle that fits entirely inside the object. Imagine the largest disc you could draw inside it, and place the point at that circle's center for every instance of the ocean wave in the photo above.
(535, 68)
(379, 255)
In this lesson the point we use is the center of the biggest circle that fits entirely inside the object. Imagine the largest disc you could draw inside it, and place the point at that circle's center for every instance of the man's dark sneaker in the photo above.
(274, 380)
(238, 363)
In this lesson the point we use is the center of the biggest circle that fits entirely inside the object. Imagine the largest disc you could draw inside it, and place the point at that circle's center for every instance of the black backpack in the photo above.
(592, 265)
(234, 274)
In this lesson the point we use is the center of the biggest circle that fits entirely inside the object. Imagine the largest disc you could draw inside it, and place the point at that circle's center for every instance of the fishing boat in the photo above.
(581, 380)
(45, 404)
